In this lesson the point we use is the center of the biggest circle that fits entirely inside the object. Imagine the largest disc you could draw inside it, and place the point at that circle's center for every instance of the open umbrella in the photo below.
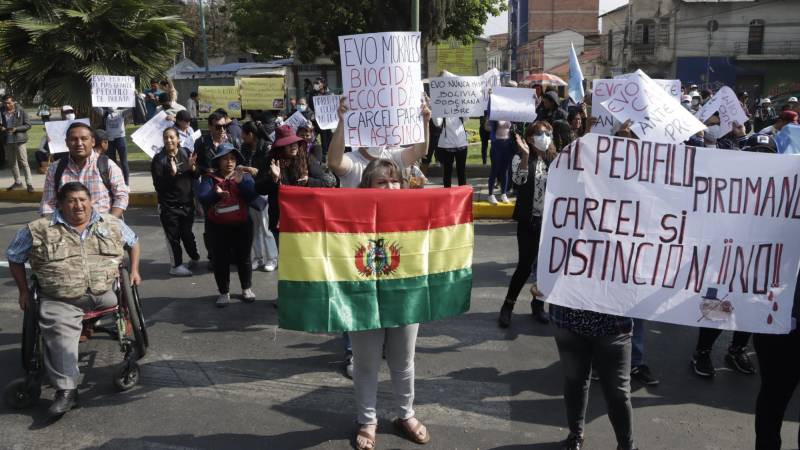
(543, 79)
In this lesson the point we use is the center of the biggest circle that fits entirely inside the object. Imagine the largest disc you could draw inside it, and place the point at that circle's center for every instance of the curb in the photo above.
(480, 210)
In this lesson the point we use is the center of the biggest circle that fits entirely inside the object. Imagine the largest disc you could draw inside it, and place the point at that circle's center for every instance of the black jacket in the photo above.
(205, 152)
(173, 190)
(523, 208)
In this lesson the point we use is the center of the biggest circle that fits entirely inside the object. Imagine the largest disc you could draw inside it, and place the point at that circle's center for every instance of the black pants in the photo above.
(610, 356)
(446, 158)
(231, 244)
(484, 145)
(707, 337)
(779, 367)
(527, 248)
(177, 222)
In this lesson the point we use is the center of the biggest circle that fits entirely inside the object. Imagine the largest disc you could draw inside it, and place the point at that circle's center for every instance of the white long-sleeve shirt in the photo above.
(453, 135)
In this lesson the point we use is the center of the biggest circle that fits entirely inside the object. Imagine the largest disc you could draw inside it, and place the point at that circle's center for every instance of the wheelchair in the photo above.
(130, 331)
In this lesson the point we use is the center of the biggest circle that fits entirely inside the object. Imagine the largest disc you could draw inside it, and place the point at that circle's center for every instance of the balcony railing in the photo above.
(644, 50)
(766, 48)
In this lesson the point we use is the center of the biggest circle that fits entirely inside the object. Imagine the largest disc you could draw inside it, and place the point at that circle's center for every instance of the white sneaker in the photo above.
(491, 199)
(248, 295)
(223, 300)
(257, 263)
(270, 265)
(180, 271)
(504, 199)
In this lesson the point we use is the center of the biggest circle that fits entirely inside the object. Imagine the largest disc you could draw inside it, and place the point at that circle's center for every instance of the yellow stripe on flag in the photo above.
(331, 257)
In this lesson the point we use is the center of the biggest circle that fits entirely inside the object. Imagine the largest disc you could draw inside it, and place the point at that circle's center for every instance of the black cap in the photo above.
(183, 116)
(163, 97)
(742, 94)
(100, 135)
(761, 143)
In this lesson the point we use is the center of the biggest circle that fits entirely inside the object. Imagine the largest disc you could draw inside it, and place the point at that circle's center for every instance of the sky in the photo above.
(499, 24)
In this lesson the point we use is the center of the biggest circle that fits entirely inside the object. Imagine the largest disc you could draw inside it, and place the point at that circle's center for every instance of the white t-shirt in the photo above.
(358, 163)
(115, 125)
(453, 135)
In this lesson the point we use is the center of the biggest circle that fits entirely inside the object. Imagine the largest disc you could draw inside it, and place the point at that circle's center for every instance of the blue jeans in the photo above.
(637, 343)
(117, 147)
(501, 154)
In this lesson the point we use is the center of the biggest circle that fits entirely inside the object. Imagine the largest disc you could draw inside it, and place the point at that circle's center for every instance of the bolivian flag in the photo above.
(361, 259)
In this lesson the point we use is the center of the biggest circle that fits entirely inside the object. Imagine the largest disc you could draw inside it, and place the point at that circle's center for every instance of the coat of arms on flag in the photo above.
(360, 259)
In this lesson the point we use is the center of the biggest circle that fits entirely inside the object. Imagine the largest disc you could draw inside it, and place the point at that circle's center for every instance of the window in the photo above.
(755, 38)
(663, 32)
(645, 31)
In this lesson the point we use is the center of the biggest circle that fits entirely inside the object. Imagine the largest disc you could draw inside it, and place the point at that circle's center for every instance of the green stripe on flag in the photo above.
(367, 305)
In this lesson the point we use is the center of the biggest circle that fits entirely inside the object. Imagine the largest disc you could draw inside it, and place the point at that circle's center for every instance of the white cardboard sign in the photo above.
(57, 134)
(655, 114)
(513, 104)
(325, 111)
(150, 136)
(603, 89)
(729, 108)
(457, 97)
(113, 91)
(672, 233)
(296, 120)
(382, 83)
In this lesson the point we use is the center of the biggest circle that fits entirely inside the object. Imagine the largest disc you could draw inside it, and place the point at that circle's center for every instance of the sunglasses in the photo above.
(220, 127)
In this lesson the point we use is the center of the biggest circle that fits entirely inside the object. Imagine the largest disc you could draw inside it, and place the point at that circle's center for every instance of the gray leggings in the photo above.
(368, 347)
(61, 324)
(611, 358)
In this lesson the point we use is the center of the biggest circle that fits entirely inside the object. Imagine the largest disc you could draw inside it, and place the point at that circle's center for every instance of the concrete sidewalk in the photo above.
(143, 194)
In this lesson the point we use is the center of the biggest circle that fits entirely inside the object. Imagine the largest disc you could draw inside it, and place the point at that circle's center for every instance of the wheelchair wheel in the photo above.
(21, 393)
(130, 301)
(126, 376)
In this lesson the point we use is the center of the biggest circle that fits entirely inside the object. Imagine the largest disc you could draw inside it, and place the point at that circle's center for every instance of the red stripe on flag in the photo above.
(307, 210)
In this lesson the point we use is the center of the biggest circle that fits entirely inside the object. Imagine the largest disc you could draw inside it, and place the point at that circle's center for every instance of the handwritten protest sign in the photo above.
(490, 79)
(603, 89)
(457, 97)
(213, 97)
(729, 108)
(512, 104)
(149, 137)
(57, 134)
(296, 121)
(113, 91)
(261, 93)
(325, 107)
(383, 88)
(655, 114)
(672, 233)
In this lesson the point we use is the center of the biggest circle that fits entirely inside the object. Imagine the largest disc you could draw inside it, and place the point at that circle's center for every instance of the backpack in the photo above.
(230, 210)
(102, 167)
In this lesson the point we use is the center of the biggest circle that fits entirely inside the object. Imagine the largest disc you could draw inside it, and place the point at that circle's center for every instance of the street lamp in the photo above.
(203, 34)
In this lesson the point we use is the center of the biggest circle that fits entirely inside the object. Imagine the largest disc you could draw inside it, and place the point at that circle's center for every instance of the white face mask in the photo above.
(301, 108)
(542, 142)
(375, 152)
(714, 131)
(70, 117)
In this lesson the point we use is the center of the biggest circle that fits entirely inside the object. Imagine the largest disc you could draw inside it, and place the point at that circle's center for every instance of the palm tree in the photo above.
(55, 46)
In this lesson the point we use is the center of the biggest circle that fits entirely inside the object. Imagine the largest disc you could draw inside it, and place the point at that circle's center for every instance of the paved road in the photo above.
(230, 379)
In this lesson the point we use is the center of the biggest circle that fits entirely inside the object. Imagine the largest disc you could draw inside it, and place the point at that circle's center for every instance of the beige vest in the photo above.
(66, 267)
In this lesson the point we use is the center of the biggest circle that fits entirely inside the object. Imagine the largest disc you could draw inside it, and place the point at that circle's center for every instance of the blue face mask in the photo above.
(301, 108)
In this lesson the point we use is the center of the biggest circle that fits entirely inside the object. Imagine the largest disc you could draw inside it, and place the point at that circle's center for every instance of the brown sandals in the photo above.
(418, 434)
(369, 438)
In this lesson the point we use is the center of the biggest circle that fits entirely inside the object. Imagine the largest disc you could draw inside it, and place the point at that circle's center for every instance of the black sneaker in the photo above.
(738, 358)
(573, 442)
(505, 314)
(642, 374)
(64, 401)
(701, 363)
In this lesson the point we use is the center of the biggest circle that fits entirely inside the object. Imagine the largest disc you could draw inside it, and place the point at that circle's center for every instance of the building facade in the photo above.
(531, 20)
(745, 44)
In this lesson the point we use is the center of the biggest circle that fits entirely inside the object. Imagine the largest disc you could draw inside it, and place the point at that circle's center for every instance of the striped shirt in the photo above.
(22, 243)
(89, 176)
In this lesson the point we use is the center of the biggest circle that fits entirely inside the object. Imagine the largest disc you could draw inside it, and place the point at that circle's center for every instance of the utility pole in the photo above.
(203, 35)
(712, 26)
(414, 15)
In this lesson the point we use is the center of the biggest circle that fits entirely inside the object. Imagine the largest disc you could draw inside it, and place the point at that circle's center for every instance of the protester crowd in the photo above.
(231, 178)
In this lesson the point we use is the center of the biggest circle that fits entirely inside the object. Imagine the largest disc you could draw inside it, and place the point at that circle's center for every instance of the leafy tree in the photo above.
(55, 46)
(311, 27)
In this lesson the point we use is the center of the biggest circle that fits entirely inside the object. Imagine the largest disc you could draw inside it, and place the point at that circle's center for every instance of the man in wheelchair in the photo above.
(75, 256)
